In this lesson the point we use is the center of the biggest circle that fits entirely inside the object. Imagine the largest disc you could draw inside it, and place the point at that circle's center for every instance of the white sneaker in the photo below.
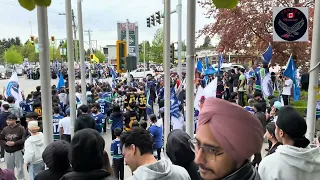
(2, 160)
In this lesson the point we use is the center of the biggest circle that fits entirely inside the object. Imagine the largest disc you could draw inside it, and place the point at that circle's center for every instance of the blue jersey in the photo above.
(55, 120)
(115, 149)
(99, 118)
(28, 106)
(104, 106)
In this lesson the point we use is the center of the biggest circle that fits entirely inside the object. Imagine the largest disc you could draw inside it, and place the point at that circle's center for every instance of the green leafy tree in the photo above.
(156, 50)
(28, 51)
(100, 56)
(12, 56)
(54, 53)
(147, 53)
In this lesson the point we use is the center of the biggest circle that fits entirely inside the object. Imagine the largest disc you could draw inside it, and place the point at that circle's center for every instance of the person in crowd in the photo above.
(64, 127)
(135, 124)
(233, 97)
(218, 152)
(156, 132)
(13, 108)
(63, 98)
(241, 87)
(98, 117)
(286, 91)
(258, 97)
(117, 157)
(180, 153)
(106, 163)
(144, 124)
(12, 140)
(274, 111)
(137, 150)
(33, 149)
(130, 116)
(250, 107)
(293, 160)
(84, 120)
(55, 156)
(116, 120)
(56, 118)
(86, 156)
(3, 123)
(270, 133)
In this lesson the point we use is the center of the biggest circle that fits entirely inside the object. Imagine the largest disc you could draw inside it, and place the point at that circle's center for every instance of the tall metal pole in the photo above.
(179, 10)
(91, 51)
(314, 73)
(71, 79)
(82, 59)
(144, 59)
(128, 44)
(75, 37)
(191, 28)
(167, 79)
(45, 78)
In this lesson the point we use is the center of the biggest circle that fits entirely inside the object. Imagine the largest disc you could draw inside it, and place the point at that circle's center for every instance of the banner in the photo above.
(13, 89)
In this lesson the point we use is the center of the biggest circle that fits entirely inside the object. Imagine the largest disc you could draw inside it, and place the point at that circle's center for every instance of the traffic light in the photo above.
(52, 39)
(153, 22)
(158, 17)
(32, 40)
(148, 22)
(140, 48)
(172, 52)
(121, 53)
(91, 56)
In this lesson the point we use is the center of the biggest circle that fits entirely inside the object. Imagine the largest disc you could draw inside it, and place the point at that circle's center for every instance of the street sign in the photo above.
(133, 37)
(290, 24)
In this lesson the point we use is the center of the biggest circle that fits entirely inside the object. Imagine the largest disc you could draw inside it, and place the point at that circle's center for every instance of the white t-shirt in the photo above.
(65, 123)
(287, 89)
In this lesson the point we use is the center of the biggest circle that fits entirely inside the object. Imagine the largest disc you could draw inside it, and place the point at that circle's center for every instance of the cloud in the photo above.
(101, 16)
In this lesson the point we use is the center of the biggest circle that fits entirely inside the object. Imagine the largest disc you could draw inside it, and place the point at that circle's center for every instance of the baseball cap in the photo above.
(33, 126)
(277, 105)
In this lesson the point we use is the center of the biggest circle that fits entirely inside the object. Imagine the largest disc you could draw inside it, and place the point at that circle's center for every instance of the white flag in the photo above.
(211, 89)
(197, 99)
(13, 89)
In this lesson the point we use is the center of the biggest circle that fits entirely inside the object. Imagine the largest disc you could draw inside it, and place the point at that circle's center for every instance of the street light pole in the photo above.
(144, 58)
(82, 59)
(71, 79)
(128, 44)
(179, 10)
(45, 79)
(191, 21)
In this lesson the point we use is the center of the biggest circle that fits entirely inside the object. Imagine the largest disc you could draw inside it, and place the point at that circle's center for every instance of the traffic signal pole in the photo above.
(191, 21)
(314, 73)
(128, 44)
(71, 79)
(82, 59)
(179, 10)
(45, 79)
(91, 51)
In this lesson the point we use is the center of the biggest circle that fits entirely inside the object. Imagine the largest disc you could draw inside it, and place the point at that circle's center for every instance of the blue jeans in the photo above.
(34, 169)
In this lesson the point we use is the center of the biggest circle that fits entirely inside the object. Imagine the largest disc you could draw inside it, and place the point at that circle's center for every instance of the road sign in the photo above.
(132, 37)
(290, 24)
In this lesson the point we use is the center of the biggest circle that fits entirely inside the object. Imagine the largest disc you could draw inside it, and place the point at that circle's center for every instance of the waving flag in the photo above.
(114, 76)
(267, 86)
(13, 88)
(267, 55)
(291, 72)
(174, 104)
(60, 82)
(220, 62)
(199, 66)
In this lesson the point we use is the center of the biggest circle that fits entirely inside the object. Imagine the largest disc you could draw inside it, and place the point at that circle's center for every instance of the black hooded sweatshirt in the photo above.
(180, 153)
(84, 121)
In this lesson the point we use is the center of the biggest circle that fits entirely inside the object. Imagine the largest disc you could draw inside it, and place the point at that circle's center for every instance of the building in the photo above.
(110, 53)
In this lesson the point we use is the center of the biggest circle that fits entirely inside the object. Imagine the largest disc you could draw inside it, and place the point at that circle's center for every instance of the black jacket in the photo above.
(99, 174)
(84, 121)
(246, 172)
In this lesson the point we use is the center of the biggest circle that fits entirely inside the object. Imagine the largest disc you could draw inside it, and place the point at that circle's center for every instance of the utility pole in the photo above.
(144, 58)
(71, 79)
(82, 59)
(128, 44)
(314, 73)
(75, 37)
(191, 28)
(167, 79)
(179, 10)
(91, 51)
(45, 79)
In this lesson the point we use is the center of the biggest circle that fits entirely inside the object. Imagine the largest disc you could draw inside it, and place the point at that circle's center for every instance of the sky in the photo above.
(101, 16)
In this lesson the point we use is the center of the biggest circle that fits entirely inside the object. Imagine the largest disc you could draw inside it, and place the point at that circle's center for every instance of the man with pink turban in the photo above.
(226, 138)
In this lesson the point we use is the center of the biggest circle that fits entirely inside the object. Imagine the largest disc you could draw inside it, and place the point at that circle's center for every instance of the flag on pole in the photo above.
(291, 72)
(267, 55)
(60, 82)
(211, 89)
(199, 66)
(174, 104)
(13, 88)
(220, 62)
(207, 62)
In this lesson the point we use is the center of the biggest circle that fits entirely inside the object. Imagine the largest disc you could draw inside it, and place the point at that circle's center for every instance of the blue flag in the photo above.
(207, 62)
(174, 104)
(291, 72)
(220, 62)
(199, 66)
(267, 55)
(60, 82)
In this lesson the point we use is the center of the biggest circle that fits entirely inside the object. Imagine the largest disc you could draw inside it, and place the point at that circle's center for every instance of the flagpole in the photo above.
(314, 73)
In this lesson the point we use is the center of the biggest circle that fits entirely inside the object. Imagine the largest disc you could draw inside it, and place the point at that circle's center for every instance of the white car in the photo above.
(139, 73)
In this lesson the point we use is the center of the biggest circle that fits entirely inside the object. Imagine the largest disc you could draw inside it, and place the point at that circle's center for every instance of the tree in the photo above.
(54, 53)
(156, 50)
(141, 51)
(100, 56)
(207, 42)
(247, 29)
(28, 51)
(12, 56)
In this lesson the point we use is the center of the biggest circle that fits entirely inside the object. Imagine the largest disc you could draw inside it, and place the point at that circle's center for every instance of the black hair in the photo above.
(95, 105)
(84, 108)
(233, 95)
(140, 137)
(116, 108)
(56, 109)
(32, 115)
(143, 124)
(10, 99)
(258, 107)
(12, 116)
(162, 114)
(153, 118)
(271, 127)
(117, 131)
(135, 124)
(38, 88)
(5, 106)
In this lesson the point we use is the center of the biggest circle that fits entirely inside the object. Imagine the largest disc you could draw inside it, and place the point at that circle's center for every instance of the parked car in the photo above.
(3, 74)
(19, 71)
(139, 73)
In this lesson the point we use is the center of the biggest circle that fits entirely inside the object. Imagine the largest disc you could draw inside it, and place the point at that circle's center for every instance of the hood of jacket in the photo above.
(56, 156)
(84, 117)
(178, 148)
(305, 159)
(37, 139)
(160, 170)
(246, 172)
(91, 175)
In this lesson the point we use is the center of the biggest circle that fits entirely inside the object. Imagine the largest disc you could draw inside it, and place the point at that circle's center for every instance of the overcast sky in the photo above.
(101, 16)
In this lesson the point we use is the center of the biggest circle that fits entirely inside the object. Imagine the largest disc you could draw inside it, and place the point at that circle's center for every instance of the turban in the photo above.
(238, 132)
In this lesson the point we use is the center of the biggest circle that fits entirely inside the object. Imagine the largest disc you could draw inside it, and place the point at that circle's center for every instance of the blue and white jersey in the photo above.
(99, 118)
(55, 120)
